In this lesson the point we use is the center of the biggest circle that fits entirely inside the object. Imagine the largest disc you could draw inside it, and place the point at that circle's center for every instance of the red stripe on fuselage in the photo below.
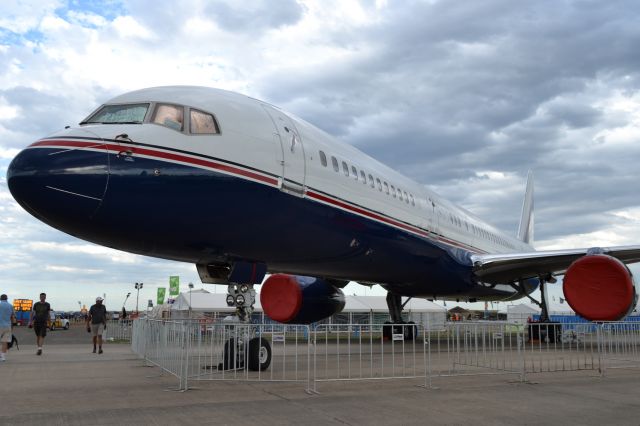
(60, 143)
(54, 143)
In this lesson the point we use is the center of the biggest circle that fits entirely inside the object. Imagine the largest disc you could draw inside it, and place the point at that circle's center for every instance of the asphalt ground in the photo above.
(68, 385)
(76, 334)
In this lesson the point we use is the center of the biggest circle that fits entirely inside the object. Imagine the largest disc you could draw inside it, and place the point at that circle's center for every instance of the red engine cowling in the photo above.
(299, 300)
(600, 288)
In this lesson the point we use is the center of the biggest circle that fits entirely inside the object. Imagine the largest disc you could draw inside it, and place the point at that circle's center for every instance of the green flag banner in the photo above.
(174, 286)
(161, 293)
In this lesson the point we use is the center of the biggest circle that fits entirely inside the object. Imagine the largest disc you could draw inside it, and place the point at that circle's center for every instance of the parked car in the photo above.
(57, 321)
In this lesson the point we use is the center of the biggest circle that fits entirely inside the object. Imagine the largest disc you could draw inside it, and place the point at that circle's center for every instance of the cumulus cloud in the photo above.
(256, 16)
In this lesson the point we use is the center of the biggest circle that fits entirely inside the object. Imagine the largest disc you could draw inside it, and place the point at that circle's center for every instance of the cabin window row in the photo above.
(341, 166)
(479, 231)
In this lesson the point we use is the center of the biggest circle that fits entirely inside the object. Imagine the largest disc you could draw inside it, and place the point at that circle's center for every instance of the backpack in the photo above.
(13, 341)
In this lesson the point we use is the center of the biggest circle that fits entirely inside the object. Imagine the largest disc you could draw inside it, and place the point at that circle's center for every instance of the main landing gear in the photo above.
(545, 330)
(543, 303)
(246, 349)
(397, 326)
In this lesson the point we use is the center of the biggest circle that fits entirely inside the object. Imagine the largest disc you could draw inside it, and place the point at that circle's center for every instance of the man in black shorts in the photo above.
(40, 320)
(97, 322)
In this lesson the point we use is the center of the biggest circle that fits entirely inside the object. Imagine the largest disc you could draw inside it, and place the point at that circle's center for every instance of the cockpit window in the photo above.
(119, 114)
(169, 115)
(202, 123)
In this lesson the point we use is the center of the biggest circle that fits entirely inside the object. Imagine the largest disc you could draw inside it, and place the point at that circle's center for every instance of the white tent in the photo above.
(519, 314)
(199, 303)
(431, 315)
(420, 311)
(364, 308)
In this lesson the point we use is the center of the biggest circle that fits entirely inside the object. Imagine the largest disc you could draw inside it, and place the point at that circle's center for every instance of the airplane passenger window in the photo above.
(354, 172)
(111, 114)
(345, 169)
(202, 123)
(393, 191)
(379, 184)
(386, 188)
(371, 181)
(334, 163)
(363, 177)
(323, 159)
(406, 197)
(399, 194)
(413, 202)
(169, 115)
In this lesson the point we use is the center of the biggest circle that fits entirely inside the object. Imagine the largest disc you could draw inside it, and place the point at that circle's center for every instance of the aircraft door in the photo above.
(293, 160)
(431, 221)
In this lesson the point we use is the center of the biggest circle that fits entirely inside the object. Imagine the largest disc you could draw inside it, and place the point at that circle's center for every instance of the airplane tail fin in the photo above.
(525, 230)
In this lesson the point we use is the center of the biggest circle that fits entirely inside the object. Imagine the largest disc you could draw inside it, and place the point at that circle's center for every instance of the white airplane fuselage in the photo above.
(264, 188)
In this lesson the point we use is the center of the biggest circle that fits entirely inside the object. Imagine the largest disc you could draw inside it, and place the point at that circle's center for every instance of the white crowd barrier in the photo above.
(118, 330)
(192, 350)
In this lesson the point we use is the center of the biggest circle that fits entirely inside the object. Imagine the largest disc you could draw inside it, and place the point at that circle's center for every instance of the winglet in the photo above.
(525, 230)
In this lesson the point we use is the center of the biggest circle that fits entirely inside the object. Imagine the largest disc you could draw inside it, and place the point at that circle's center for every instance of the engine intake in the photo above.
(298, 299)
(600, 288)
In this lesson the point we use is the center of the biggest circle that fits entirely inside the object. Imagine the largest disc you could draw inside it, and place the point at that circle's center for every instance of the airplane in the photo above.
(242, 189)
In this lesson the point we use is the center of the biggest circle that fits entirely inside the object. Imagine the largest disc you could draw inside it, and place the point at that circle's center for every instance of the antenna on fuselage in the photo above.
(525, 230)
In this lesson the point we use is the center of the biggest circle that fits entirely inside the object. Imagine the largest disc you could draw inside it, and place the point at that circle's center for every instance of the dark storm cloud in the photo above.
(441, 91)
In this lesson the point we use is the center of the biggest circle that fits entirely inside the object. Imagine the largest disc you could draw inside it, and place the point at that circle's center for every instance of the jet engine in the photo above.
(298, 299)
(600, 288)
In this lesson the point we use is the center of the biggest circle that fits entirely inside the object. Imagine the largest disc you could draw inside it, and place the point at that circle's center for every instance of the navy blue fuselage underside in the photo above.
(187, 213)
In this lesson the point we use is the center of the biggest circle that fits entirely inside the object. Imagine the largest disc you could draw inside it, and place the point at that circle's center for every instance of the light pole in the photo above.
(138, 287)
(190, 288)
(124, 312)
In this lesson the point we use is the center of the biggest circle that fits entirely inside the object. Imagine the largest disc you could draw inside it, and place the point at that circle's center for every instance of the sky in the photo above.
(464, 97)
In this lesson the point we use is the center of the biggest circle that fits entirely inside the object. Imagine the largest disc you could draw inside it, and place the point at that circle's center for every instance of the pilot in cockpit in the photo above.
(170, 116)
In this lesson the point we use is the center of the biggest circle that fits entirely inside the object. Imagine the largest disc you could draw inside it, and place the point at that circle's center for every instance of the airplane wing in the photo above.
(510, 267)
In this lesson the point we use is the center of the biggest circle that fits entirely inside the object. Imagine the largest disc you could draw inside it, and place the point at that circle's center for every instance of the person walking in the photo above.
(97, 323)
(40, 320)
(7, 318)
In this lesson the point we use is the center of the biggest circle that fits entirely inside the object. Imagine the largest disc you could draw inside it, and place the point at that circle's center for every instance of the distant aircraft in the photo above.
(241, 189)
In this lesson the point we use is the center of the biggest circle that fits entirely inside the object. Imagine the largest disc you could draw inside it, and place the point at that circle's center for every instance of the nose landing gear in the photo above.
(247, 349)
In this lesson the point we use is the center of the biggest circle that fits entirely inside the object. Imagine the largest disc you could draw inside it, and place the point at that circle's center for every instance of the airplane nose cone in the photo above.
(60, 182)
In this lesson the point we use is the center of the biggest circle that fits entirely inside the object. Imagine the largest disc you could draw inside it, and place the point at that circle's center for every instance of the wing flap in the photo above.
(511, 267)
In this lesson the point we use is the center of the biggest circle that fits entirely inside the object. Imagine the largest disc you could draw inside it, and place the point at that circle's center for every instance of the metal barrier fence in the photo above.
(191, 350)
(118, 330)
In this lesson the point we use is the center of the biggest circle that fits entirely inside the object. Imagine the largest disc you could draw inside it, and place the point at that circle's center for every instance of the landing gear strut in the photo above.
(397, 326)
(247, 349)
(243, 297)
(543, 303)
(545, 331)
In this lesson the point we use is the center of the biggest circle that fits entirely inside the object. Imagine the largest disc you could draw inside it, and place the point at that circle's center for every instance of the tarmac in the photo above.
(69, 385)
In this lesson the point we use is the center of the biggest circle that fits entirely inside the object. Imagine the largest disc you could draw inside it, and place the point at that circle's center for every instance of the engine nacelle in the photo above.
(600, 288)
(298, 299)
